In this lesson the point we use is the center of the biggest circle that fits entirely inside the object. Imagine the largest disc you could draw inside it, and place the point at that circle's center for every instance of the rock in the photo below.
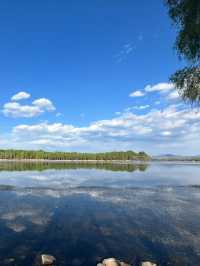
(148, 263)
(48, 259)
(111, 262)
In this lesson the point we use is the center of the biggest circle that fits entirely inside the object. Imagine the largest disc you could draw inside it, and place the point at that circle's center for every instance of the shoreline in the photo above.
(101, 161)
(74, 161)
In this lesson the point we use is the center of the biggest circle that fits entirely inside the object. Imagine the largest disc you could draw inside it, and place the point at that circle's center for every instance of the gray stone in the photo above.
(148, 263)
(48, 259)
(111, 262)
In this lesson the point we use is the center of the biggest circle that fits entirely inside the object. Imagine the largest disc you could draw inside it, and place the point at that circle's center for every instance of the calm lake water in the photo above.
(82, 213)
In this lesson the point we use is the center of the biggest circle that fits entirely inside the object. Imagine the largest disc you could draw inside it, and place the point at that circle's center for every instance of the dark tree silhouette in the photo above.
(185, 14)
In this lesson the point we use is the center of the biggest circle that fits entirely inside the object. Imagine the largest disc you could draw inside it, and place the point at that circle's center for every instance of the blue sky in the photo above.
(91, 76)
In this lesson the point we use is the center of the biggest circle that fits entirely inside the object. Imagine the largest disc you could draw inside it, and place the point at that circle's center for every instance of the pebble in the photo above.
(148, 263)
(112, 262)
(48, 259)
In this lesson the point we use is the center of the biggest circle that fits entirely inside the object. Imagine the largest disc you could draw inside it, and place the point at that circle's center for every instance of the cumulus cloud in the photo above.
(20, 96)
(137, 94)
(160, 87)
(16, 109)
(167, 128)
(155, 129)
(174, 95)
(44, 103)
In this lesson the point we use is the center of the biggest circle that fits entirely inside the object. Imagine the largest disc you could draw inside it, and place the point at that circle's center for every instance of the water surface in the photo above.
(84, 213)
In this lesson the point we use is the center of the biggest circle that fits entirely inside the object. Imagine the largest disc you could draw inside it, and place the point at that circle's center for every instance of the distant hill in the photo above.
(168, 155)
(174, 157)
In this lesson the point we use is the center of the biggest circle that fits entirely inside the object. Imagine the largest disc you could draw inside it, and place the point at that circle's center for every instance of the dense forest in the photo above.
(44, 155)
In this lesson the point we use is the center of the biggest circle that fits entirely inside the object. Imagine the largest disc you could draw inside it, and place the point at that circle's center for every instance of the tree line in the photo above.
(45, 155)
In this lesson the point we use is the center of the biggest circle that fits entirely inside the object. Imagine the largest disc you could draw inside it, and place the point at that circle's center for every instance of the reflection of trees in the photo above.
(143, 167)
(41, 166)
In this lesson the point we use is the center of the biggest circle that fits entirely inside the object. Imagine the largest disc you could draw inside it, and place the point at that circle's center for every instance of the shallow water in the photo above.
(84, 213)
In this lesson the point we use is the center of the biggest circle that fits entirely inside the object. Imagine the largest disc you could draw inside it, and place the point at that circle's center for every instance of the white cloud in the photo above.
(166, 133)
(20, 96)
(174, 127)
(140, 107)
(153, 131)
(144, 106)
(137, 94)
(160, 87)
(44, 104)
(15, 109)
(173, 95)
(58, 114)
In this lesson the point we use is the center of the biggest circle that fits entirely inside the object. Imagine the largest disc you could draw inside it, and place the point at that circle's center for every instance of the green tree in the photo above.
(185, 14)
(44, 155)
